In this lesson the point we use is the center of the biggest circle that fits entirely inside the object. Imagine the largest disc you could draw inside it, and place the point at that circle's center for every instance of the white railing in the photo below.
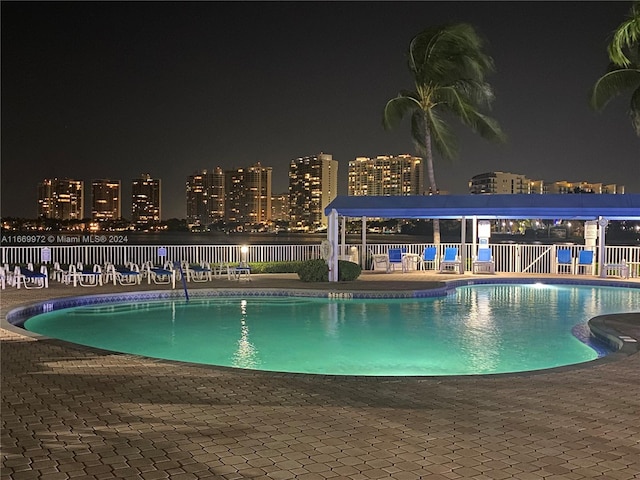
(525, 258)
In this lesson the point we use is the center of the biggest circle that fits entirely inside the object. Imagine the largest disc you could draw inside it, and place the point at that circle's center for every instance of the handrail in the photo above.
(178, 266)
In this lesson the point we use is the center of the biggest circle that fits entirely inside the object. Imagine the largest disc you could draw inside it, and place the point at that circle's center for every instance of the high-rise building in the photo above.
(61, 199)
(584, 187)
(499, 182)
(145, 200)
(503, 182)
(538, 187)
(106, 200)
(205, 197)
(248, 195)
(280, 207)
(394, 175)
(313, 184)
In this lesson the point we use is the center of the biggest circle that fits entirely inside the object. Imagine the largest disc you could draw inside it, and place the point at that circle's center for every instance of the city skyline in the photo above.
(381, 175)
(109, 90)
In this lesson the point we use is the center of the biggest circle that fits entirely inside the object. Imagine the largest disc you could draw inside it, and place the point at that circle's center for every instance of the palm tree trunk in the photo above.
(432, 182)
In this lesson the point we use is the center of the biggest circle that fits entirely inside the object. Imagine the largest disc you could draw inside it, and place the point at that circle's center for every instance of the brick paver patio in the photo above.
(76, 413)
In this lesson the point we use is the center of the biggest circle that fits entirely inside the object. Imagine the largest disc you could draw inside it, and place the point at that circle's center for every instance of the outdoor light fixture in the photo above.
(243, 255)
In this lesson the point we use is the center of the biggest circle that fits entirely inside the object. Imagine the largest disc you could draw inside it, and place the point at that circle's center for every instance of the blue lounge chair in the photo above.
(585, 261)
(428, 257)
(483, 262)
(451, 261)
(395, 257)
(564, 261)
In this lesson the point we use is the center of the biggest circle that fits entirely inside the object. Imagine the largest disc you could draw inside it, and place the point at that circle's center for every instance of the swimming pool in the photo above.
(480, 329)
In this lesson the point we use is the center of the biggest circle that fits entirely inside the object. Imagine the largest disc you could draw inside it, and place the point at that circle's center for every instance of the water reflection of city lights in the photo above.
(246, 355)
(480, 338)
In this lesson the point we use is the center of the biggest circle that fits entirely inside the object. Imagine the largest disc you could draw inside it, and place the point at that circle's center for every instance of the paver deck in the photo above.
(70, 412)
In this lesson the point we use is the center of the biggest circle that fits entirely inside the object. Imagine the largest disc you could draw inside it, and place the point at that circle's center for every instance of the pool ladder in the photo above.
(178, 265)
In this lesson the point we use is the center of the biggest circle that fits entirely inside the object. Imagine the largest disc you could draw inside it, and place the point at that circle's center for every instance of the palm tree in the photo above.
(448, 67)
(624, 70)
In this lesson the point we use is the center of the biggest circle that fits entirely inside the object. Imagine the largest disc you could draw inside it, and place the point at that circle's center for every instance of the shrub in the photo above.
(348, 271)
(275, 267)
(318, 271)
(314, 271)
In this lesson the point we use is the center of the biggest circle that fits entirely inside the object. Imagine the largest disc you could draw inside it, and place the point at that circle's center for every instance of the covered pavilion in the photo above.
(601, 208)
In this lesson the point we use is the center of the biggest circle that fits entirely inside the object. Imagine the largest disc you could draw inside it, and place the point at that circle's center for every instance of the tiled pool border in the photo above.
(18, 316)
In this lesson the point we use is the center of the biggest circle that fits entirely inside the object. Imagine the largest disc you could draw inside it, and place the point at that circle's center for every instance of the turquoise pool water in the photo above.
(476, 330)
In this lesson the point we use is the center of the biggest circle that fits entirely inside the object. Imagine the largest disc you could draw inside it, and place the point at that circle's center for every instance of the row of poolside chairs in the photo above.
(585, 263)
(128, 274)
(483, 262)
(449, 261)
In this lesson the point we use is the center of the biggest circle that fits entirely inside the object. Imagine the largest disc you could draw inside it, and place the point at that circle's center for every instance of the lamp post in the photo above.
(243, 255)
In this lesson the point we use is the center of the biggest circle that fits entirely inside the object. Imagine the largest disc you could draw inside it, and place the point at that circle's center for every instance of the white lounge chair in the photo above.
(221, 269)
(483, 262)
(30, 278)
(198, 273)
(8, 275)
(239, 272)
(451, 261)
(85, 277)
(381, 262)
(126, 275)
(165, 275)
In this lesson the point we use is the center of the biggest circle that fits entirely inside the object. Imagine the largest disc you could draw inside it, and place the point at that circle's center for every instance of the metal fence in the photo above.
(525, 258)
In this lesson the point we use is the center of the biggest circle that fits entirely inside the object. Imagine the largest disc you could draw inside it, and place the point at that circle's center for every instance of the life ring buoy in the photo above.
(326, 249)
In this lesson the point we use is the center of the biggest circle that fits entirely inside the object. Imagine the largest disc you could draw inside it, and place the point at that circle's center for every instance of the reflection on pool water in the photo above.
(476, 330)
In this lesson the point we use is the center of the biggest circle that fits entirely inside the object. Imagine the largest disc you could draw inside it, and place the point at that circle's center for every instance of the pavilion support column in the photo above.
(343, 236)
(363, 254)
(463, 244)
(474, 243)
(602, 247)
(332, 236)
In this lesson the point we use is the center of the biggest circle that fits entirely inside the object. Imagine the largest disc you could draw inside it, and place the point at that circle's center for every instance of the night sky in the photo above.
(116, 89)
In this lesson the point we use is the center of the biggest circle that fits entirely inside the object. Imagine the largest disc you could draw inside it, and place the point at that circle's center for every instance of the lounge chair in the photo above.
(429, 255)
(585, 262)
(8, 275)
(198, 273)
(483, 262)
(395, 257)
(165, 275)
(30, 278)
(85, 277)
(3, 278)
(124, 275)
(451, 261)
(221, 269)
(239, 272)
(564, 261)
(59, 272)
(381, 262)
